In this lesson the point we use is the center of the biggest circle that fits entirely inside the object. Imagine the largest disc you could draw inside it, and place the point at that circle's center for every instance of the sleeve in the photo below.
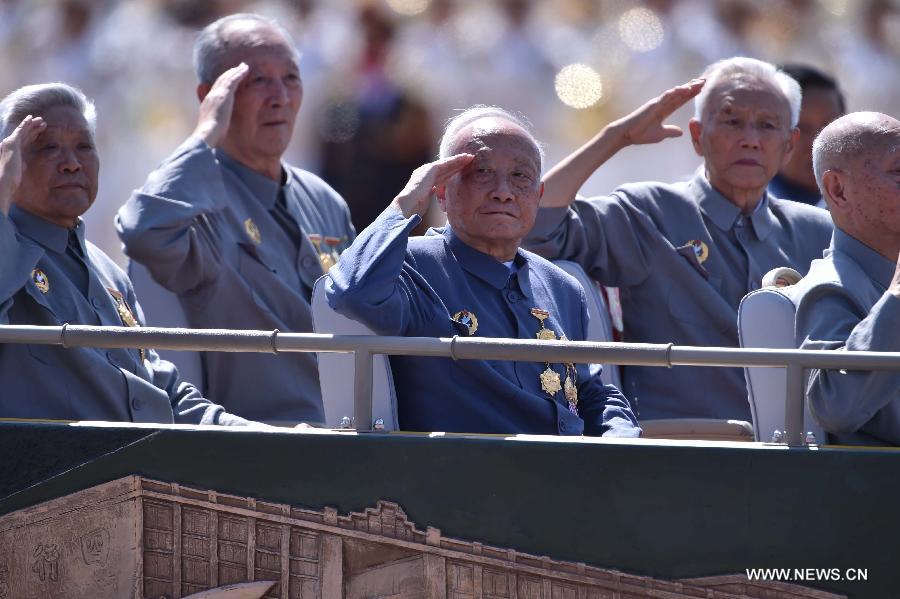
(376, 282)
(188, 404)
(604, 409)
(828, 318)
(17, 260)
(607, 236)
(166, 224)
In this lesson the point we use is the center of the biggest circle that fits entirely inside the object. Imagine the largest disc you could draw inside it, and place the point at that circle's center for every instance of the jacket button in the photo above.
(562, 426)
(135, 403)
(307, 262)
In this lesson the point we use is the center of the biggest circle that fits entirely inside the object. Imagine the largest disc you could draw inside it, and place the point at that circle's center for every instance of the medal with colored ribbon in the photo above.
(550, 380)
(326, 259)
(125, 314)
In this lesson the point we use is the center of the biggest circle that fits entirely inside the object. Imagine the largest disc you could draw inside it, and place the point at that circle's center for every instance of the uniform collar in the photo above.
(876, 266)
(261, 187)
(50, 235)
(486, 267)
(724, 213)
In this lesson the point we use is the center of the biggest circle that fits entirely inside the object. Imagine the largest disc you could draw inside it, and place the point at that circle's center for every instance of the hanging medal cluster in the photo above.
(550, 379)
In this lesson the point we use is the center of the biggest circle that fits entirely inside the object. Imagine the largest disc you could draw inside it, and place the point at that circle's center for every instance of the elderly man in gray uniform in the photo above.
(685, 254)
(49, 275)
(472, 278)
(236, 233)
(850, 300)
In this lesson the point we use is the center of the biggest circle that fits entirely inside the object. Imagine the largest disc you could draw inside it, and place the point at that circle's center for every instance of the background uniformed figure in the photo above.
(472, 278)
(49, 275)
(684, 255)
(850, 300)
(240, 236)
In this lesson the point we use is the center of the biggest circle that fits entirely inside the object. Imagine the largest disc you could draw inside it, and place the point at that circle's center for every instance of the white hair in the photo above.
(38, 99)
(848, 137)
(468, 116)
(756, 69)
(212, 45)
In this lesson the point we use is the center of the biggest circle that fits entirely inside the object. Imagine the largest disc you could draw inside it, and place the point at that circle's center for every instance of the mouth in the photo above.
(500, 213)
(274, 123)
(70, 186)
(747, 162)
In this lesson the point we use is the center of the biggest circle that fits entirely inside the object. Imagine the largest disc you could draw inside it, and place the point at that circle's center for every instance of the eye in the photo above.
(86, 146)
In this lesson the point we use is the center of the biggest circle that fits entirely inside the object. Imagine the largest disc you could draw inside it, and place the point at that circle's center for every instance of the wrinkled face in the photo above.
(268, 99)
(873, 186)
(493, 202)
(820, 106)
(59, 178)
(745, 135)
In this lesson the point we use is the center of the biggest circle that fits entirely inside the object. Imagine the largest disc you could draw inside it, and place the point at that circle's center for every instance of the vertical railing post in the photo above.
(362, 389)
(793, 407)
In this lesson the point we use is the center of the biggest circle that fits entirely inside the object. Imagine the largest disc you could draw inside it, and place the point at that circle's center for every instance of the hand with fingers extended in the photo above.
(416, 196)
(646, 124)
(216, 107)
(11, 163)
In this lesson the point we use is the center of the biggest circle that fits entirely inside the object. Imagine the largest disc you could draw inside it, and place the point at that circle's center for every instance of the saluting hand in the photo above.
(416, 196)
(11, 164)
(216, 107)
(645, 125)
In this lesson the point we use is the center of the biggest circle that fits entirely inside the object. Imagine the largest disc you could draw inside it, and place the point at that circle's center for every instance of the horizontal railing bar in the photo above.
(644, 354)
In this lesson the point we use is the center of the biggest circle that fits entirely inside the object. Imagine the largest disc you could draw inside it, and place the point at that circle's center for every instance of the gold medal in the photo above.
(550, 382)
(125, 313)
(570, 388)
(326, 259)
(467, 318)
(544, 334)
(40, 280)
(252, 231)
(701, 250)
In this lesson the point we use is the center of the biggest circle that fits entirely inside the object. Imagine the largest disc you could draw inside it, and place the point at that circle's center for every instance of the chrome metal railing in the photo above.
(364, 347)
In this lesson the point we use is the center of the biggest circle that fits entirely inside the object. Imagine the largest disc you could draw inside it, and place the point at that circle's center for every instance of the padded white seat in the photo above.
(162, 308)
(336, 370)
(600, 325)
(766, 319)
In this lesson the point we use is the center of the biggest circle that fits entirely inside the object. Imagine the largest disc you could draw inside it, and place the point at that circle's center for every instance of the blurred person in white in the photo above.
(822, 103)
(685, 254)
(239, 235)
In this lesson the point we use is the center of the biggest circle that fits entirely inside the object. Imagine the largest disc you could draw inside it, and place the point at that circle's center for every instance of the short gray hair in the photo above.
(848, 137)
(38, 99)
(211, 45)
(757, 69)
(468, 116)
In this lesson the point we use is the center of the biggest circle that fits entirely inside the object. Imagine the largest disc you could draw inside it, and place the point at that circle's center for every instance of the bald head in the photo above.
(855, 137)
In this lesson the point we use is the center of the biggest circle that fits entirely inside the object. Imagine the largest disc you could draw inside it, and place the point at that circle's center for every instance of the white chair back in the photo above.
(766, 319)
(162, 308)
(600, 325)
(336, 370)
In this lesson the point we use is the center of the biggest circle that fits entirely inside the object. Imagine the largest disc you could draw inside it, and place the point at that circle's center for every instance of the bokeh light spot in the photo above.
(641, 30)
(408, 7)
(579, 86)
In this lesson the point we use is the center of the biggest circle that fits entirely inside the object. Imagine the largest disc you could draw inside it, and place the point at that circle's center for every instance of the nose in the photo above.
(503, 191)
(69, 162)
(750, 137)
(277, 92)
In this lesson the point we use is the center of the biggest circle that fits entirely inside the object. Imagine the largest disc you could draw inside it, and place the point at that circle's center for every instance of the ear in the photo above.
(835, 191)
(441, 192)
(696, 128)
(202, 90)
(792, 140)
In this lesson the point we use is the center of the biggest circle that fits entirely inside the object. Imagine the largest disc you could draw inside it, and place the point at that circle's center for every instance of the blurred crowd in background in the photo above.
(382, 76)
